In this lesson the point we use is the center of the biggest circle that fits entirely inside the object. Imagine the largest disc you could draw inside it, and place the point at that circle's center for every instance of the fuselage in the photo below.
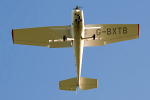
(78, 43)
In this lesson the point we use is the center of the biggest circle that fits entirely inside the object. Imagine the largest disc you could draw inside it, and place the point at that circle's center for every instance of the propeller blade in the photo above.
(77, 8)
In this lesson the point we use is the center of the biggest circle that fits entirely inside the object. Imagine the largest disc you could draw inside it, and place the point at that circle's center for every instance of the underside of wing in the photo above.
(40, 36)
(111, 33)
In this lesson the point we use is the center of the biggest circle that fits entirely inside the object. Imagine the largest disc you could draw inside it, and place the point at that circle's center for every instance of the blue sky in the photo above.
(33, 73)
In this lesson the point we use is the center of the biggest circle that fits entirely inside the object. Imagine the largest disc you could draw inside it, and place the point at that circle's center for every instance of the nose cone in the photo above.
(77, 10)
(77, 7)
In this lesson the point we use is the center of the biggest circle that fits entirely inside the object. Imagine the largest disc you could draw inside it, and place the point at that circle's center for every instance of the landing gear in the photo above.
(93, 36)
(64, 38)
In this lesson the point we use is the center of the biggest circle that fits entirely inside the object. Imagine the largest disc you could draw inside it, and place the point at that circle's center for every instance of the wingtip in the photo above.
(138, 30)
(12, 35)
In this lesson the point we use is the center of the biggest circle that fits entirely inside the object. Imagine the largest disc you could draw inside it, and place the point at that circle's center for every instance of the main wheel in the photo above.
(64, 38)
(93, 36)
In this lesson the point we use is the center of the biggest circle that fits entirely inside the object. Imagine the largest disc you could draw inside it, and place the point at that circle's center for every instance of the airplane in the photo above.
(76, 35)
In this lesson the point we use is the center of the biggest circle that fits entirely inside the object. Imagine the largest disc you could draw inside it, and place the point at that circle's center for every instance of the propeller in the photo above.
(77, 7)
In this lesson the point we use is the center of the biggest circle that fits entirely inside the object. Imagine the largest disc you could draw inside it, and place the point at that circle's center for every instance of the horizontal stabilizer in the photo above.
(88, 83)
(69, 84)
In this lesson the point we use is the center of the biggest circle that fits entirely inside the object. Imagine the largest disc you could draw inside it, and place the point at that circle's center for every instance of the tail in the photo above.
(84, 84)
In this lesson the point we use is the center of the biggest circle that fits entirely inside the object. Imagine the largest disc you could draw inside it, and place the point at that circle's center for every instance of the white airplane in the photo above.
(76, 35)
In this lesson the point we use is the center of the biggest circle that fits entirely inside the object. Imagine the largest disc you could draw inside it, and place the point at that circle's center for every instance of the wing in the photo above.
(110, 33)
(40, 36)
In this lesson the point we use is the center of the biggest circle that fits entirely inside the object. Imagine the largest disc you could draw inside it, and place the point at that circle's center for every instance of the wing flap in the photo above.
(97, 42)
(60, 44)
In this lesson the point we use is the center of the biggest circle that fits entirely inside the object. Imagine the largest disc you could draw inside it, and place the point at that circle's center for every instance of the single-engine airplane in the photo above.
(76, 35)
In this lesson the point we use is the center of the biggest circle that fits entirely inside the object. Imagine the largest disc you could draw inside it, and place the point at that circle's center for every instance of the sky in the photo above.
(33, 73)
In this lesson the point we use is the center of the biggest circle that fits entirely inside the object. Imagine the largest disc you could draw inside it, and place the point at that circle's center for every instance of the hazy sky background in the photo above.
(33, 73)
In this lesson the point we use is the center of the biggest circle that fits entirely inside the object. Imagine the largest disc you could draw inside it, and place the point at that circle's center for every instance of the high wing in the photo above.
(110, 33)
(41, 36)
